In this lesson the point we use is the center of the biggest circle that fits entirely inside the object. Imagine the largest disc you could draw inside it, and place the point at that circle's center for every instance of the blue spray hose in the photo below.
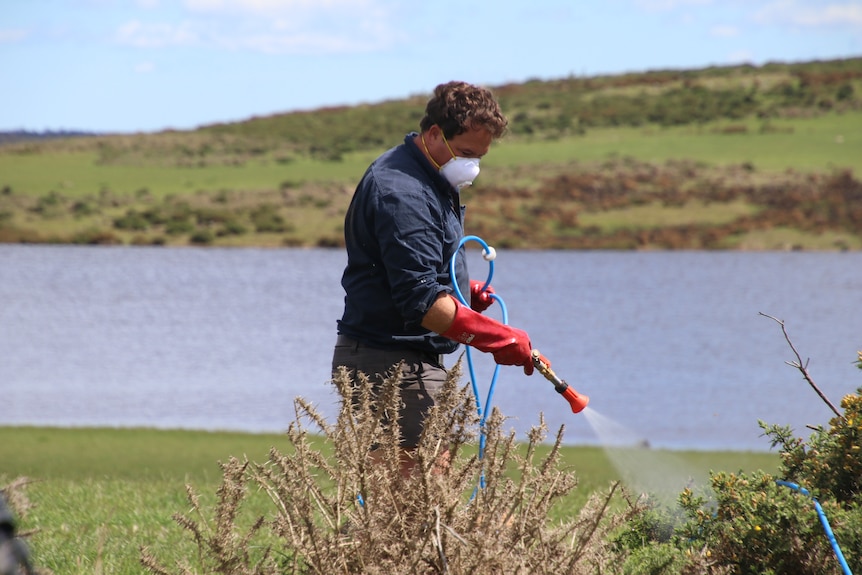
(488, 254)
(825, 522)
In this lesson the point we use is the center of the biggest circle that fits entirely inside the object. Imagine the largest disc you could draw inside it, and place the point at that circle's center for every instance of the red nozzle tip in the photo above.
(577, 401)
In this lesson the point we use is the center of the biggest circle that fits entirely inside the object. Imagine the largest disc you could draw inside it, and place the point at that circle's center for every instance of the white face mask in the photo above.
(460, 172)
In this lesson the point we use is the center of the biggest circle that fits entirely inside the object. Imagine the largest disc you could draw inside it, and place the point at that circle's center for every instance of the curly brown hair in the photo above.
(459, 106)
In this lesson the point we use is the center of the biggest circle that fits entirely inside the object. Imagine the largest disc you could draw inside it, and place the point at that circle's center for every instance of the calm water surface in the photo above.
(670, 344)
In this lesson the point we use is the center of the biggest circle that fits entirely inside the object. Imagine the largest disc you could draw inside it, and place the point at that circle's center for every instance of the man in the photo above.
(401, 230)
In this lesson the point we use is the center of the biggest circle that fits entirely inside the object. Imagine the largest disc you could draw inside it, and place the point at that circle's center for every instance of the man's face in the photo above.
(474, 143)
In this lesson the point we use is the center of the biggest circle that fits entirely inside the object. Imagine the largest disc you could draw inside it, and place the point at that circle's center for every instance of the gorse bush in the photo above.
(337, 511)
(750, 525)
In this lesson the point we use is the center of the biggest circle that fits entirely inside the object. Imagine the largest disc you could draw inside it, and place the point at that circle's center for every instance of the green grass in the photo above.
(820, 143)
(781, 238)
(657, 215)
(76, 174)
(803, 144)
(78, 454)
(100, 494)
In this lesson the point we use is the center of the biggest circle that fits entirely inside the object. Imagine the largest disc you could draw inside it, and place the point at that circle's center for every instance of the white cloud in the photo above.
(145, 67)
(724, 31)
(293, 43)
(668, 5)
(10, 36)
(273, 7)
(740, 57)
(272, 26)
(833, 14)
(159, 35)
(804, 14)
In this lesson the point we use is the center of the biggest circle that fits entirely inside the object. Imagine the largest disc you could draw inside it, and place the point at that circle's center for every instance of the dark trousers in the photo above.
(423, 378)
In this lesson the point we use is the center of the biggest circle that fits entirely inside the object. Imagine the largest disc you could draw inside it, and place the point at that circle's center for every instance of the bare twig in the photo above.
(803, 368)
(438, 542)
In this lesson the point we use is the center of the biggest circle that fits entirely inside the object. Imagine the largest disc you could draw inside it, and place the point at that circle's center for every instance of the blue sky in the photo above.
(148, 65)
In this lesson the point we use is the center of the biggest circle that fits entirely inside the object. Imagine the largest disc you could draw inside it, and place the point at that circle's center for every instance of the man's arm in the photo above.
(441, 314)
(509, 345)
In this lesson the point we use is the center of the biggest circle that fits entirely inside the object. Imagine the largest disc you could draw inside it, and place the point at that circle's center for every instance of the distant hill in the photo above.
(537, 110)
(551, 109)
(736, 157)
(16, 136)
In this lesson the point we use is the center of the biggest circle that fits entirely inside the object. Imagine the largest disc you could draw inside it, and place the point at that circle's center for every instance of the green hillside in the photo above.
(738, 157)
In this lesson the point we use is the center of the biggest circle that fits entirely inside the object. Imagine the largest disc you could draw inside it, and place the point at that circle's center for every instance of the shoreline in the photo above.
(235, 434)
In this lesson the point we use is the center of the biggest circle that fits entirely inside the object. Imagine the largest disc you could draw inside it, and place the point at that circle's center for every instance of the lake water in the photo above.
(669, 344)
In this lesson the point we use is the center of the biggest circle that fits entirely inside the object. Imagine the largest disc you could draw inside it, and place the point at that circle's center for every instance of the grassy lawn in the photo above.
(77, 174)
(784, 238)
(804, 144)
(656, 215)
(98, 495)
(66, 194)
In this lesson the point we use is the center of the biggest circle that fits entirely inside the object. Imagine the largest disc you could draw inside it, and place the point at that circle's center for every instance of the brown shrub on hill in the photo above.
(550, 215)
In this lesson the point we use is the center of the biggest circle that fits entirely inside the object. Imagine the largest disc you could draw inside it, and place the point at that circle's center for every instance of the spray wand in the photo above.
(576, 400)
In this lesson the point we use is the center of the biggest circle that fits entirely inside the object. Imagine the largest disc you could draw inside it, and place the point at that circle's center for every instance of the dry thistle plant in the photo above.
(337, 511)
(220, 547)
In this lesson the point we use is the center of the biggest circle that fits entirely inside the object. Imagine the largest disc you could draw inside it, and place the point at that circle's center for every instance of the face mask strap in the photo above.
(427, 153)
(445, 141)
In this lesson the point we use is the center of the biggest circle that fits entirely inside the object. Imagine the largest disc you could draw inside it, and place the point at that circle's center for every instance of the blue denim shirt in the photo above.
(402, 227)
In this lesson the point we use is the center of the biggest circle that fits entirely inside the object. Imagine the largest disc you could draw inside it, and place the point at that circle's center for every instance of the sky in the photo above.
(128, 66)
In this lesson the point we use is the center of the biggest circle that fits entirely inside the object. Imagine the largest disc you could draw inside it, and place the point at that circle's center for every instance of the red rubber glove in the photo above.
(480, 300)
(509, 345)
